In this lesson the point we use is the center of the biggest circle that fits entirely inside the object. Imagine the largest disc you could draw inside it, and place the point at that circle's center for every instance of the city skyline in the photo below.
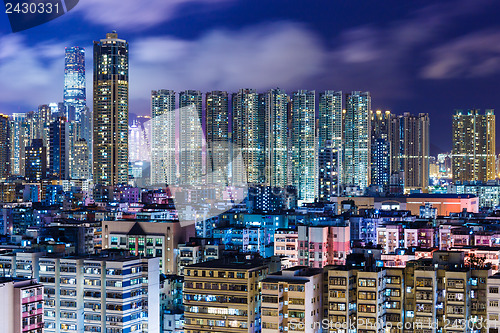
(261, 167)
(402, 54)
(293, 137)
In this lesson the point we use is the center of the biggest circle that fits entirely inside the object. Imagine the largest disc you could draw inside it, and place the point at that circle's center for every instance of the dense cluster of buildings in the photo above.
(362, 261)
(244, 212)
(324, 145)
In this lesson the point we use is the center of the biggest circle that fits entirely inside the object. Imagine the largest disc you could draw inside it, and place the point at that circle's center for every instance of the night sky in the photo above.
(413, 56)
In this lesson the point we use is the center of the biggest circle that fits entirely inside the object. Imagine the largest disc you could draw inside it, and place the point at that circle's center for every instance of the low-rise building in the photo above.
(224, 295)
(320, 246)
(90, 293)
(390, 237)
(158, 239)
(292, 300)
(21, 309)
(286, 244)
(22, 265)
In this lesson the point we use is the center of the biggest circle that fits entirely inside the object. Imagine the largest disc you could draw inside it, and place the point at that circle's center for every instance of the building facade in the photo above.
(36, 161)
(248, 137)
(292, 300)
(381, 143)
(110, 140)
(87, 294)
(330, 143)
(357, 143)
(81, 156)
(75, 96)
(4, 146)
(191, 138)
(276, 138)
(17, 144)
(21, 310)
(223, 294)
(59, 149)
(410, 149)
(473, 153)
(163, 129)
(217, 134)
(304, 148)
(150, 239)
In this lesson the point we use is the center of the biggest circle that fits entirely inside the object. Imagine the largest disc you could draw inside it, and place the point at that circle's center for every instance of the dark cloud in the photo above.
(386, 59)
(259, 57)
(30, 74)
(474, 55)
(124, 14)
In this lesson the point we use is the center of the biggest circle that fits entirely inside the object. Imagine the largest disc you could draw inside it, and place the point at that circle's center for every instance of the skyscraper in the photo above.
(329, 143)
(86, 123)
(410, 149)
(163, 120)
(110, 142)
(328, 175)
(248, 136)
(217, 133)
(276, 117)
(473, 154)
(330, 118)
(17, 143)
(74, 130)
(4, 146)
(87, 134)
(80, 168)
(139, 149)
(59, 149)
(44, 119)
(380, 162)
(75, 99)
(36, 161)
(357, 139)
(191, 138)
(303, 138)
(380, 147)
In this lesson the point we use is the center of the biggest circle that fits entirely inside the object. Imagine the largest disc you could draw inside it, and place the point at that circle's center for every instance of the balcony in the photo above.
(31, 313)
(31, 327)
(32, 299)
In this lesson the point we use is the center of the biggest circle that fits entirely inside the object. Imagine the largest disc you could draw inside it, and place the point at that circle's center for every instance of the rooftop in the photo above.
(296, 274)
(237, 262)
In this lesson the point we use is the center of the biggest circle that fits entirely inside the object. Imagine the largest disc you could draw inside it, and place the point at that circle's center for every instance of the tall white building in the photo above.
(303, 139)
(191, 138)
(276, 116)
(89, 294)
(217, 129)
(79, 162)
(17, 143)
(248, 137)
(138, 144)
(357, 139)
(21, 309)
(329, 143)
(163, 162)
(330, 118)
